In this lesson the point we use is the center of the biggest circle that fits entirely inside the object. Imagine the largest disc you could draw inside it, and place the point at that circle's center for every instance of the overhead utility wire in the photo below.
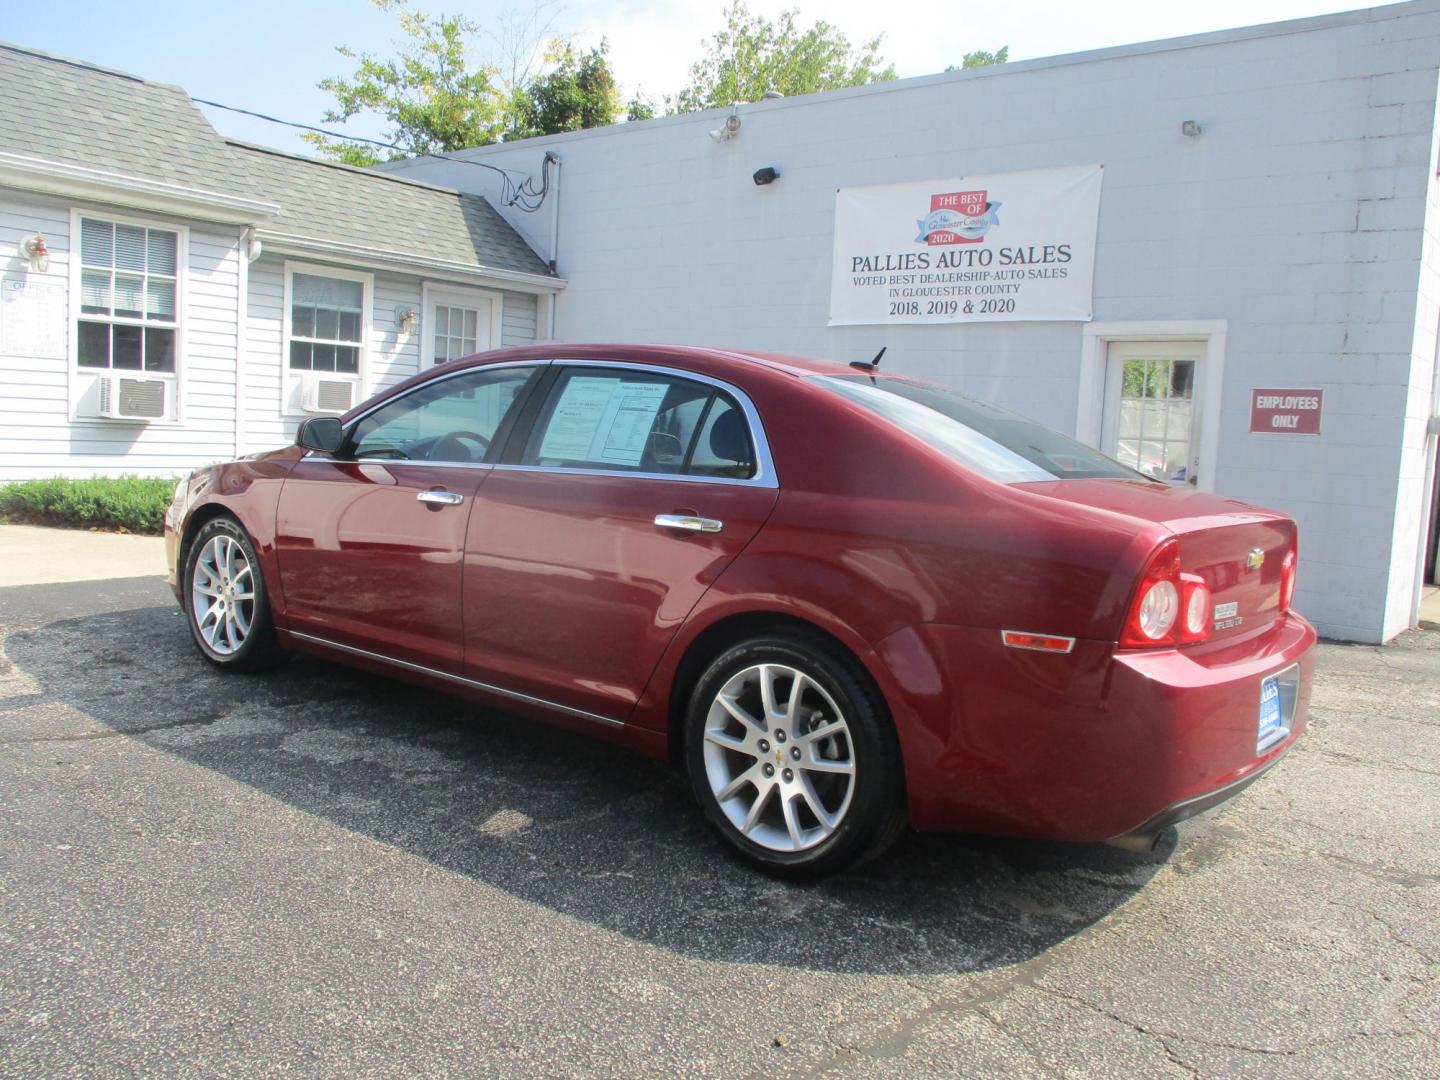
(514, 194)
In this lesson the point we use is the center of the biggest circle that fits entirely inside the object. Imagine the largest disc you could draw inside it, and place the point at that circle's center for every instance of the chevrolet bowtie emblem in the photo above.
(1255, 559)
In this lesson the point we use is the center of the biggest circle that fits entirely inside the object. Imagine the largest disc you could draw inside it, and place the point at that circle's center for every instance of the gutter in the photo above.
(99, 185)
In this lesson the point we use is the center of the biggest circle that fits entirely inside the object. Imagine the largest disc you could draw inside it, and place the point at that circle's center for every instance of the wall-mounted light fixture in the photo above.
(34, 249)
(1190, 128)
(253, 247)
(730, 129)
(406, 318)
(764, 176)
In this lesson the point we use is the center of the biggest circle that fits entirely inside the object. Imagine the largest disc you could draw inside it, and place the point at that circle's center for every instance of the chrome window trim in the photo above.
(411, 463)
(764, 477)
(460, 679)
(682, 477)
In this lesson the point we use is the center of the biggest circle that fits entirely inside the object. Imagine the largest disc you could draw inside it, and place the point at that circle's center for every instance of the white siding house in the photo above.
(198, 297)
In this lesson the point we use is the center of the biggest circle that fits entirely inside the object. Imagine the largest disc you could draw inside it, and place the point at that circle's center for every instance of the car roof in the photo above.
(638, 352)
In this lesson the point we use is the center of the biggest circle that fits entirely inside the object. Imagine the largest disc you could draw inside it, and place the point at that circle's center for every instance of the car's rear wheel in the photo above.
(793, 757)
(225, 599)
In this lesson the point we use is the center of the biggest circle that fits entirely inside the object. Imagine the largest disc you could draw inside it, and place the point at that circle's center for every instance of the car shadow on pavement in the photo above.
(586, 829)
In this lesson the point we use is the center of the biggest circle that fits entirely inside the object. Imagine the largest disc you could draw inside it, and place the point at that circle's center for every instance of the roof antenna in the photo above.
(873, 364)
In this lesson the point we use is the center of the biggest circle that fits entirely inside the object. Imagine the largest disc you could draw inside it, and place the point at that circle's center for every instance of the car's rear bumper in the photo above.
(1093, 745)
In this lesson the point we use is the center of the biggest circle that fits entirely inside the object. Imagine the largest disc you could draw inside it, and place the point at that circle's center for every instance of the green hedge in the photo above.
(133, 504)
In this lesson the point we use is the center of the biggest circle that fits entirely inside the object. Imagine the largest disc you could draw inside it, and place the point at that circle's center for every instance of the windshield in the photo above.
(998, 444)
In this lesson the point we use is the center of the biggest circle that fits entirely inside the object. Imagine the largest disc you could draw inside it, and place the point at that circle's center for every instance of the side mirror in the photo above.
(320, 433)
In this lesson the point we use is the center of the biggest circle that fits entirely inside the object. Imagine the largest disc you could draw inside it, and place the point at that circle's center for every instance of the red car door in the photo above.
(631, 492)
(369, 541)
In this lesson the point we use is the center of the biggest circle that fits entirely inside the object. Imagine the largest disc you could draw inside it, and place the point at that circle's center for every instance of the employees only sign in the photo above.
(1286, 412)
(1003, 247)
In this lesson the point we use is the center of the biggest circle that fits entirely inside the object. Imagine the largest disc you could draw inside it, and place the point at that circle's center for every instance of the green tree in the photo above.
(981, 58)
(431, 95)
(753, 54)
(577, 92)
(640, 108)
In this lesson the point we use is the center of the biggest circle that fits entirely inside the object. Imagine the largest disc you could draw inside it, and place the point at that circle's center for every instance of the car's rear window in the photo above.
(1000, 445)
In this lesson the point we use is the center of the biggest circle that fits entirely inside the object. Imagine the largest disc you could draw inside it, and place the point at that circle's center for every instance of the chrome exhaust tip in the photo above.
(1142, 843)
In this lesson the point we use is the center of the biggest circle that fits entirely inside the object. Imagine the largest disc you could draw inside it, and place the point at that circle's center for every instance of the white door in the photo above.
(458, 322)
(1152, 407)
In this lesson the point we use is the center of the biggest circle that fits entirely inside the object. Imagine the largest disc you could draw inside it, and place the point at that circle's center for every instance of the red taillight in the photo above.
(1287, 581)
(1170, 607)
(1195, 626)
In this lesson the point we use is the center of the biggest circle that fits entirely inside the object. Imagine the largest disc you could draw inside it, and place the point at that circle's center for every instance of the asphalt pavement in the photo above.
(320, 873)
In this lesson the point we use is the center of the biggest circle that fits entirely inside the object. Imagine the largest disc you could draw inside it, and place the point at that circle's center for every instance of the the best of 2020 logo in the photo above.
(958, 217)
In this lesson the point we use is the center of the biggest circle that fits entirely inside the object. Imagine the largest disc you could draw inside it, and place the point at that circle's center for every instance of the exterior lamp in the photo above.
(34, 249)
(406, 317)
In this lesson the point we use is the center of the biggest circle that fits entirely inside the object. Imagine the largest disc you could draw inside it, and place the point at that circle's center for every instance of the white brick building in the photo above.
(1292, 243)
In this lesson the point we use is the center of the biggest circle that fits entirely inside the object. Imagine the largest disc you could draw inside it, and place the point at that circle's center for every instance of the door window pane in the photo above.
(600, 418)
(1156, 422)
(455, 332)
(451, 420)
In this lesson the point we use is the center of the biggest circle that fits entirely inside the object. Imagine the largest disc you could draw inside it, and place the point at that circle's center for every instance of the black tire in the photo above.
(258, 650)
(875, 816)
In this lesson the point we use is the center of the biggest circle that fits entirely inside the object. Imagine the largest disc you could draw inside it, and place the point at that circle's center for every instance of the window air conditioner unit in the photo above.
(124, 397)
(321, 395)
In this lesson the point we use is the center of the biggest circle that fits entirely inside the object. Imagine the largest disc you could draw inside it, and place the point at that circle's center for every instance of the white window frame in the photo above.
(77, 373)
(367, 301)
(1094, 354)
(430, 291)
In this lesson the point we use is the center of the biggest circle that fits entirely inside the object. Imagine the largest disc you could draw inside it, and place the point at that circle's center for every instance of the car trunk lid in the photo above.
(1236, 548)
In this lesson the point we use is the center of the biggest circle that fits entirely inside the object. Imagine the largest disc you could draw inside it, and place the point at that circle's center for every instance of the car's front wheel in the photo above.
(793, 757)
(225, 599)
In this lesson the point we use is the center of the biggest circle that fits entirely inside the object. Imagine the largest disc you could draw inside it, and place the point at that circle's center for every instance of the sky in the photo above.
(268, 55)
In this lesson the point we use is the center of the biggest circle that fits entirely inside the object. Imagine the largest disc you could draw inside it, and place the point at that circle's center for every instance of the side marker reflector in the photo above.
(1021, 639)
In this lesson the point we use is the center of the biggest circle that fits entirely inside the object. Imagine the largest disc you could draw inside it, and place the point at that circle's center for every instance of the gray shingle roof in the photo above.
(335, 202)
(65, 110)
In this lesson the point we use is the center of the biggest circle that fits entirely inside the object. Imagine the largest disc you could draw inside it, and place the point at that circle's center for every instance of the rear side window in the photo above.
(633, 421)
(994, 442)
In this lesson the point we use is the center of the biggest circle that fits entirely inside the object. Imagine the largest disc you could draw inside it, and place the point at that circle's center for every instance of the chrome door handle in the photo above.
(688, 522)
(440, 498)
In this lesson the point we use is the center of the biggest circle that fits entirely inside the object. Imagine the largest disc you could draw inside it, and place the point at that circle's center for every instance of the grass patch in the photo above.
(133, 504)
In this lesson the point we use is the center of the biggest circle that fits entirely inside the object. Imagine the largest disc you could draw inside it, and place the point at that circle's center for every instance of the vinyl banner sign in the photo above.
(1004, 247)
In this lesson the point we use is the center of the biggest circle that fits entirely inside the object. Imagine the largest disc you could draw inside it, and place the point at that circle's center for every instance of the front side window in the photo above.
(992, 441)
(451, 420)
(634, 421)
(129, 282)
(325, 323)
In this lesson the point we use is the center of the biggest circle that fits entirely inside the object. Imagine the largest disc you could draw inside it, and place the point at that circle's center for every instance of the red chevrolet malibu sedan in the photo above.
(842, 600)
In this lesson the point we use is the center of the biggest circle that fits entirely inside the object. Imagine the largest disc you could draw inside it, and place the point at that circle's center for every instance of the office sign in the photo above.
(1286, 412)
(999, 247)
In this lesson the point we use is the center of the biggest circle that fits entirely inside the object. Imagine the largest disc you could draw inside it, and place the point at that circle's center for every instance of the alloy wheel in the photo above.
(779, 758)
(222, 594)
